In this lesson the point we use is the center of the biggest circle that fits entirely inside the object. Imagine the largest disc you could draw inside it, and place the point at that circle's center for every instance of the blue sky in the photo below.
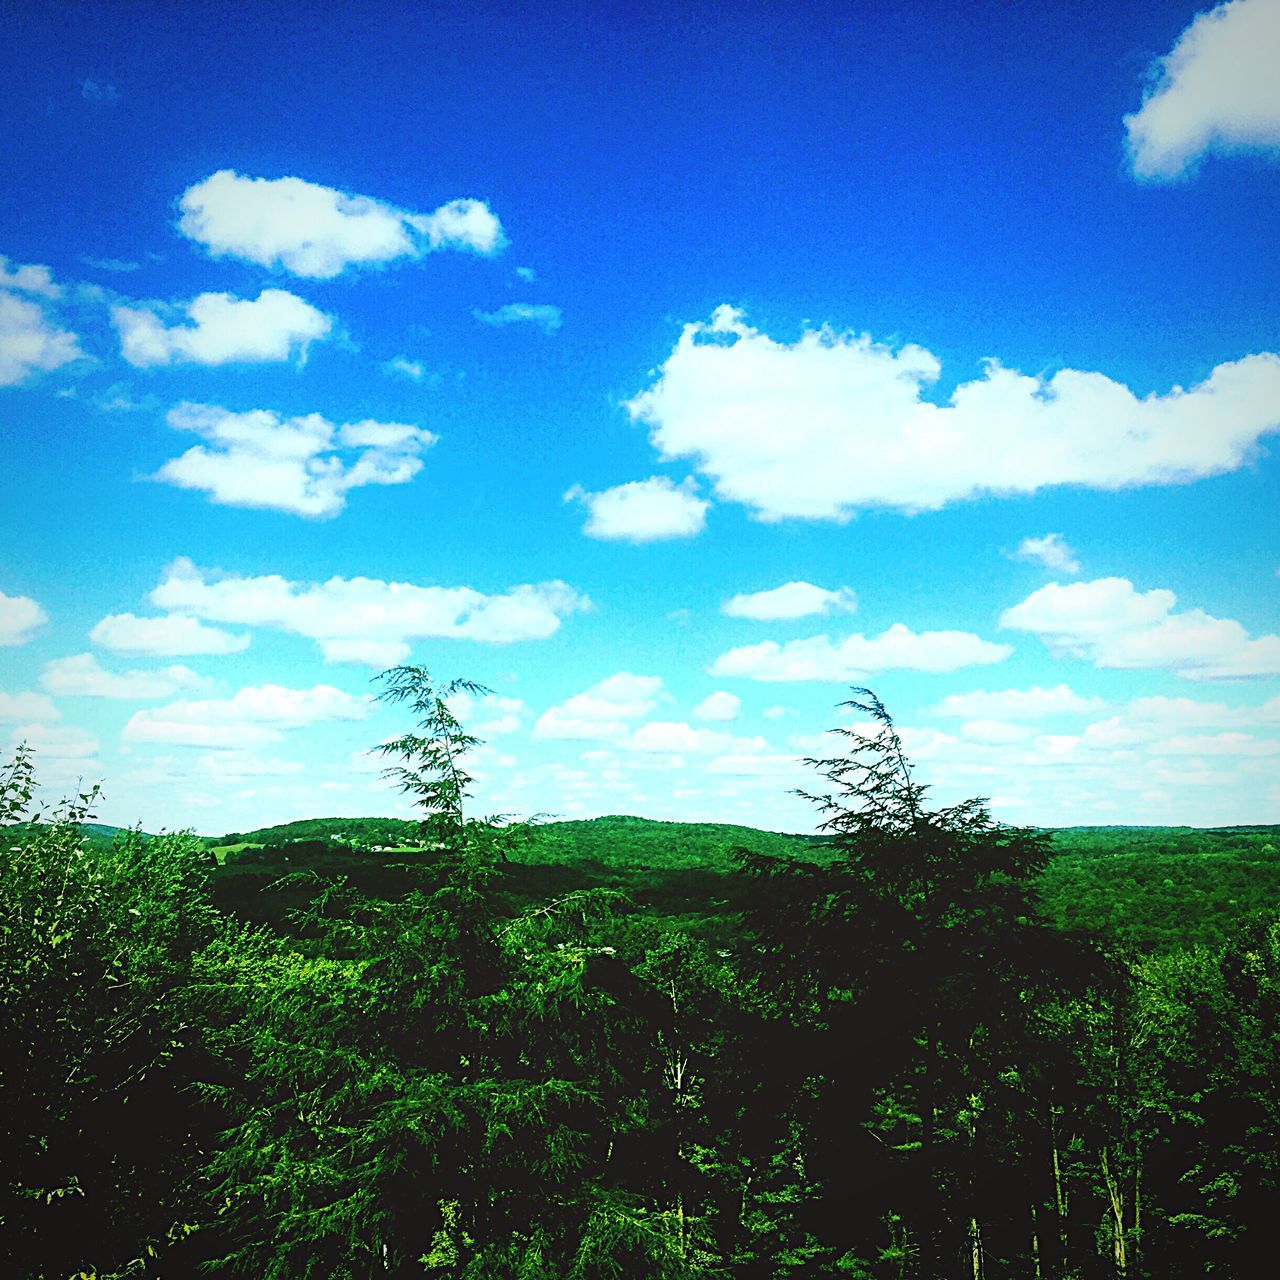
(666, 369)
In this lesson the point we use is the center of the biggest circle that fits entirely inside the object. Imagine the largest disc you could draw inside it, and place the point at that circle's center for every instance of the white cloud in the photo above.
(1217, 90)
(367, 619)
(994, 732)
(254, 716)
(1111, 624)
(1017, 704)
(28, 278)
(1216, 744)
(791, 600)
(642, 510)
(543, 315)
(462, 224)
(26, 706)
(20, 618)
(30, 340)
(834, 422)
(719, 706)
(297, 465)
(316, 231)
(669, 737)
(897, 649)
(1160, 713)
(83, 677)
(56, 742)
(489, 715)
(403, 367)
(173, 636)
(602, 712)
(1051, 551)
(220, 329)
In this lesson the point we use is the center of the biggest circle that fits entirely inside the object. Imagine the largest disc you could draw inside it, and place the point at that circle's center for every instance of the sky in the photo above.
(668, 370)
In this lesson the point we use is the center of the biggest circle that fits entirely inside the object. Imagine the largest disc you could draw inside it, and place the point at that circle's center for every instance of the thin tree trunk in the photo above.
(1115, 1194)
(975, 1248)
(1137, 1202)
(1059, 1192)
(1035, 1242)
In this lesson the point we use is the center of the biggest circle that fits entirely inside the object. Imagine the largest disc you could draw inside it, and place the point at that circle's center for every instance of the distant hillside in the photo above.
(366, 833)
(1150, 888)
(646, 842)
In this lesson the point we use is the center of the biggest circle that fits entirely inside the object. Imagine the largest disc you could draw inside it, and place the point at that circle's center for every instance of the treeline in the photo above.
(892, 1067)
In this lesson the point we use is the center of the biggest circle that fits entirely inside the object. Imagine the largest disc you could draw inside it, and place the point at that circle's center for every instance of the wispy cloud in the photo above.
(541, 315)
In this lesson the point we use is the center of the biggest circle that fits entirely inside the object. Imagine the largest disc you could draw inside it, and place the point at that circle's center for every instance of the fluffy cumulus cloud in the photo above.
(833, 422)
(366, 620)
(603, 712)
(20, 619)
(650, 510)
(219, 328)
(29, 278)
(172, 636)
(318, 232)
(82, 676)
(305, 466)
(791, 600)
(254, 716)
(1018, 704)
(1112, 624)
(1052, 551)
(19, 707)
(719, 706)
(31, 342)
(1216, 90)
(840, 661)
(539, 314)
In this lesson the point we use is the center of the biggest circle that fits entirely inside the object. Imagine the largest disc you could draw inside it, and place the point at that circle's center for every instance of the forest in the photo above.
(921, 1044)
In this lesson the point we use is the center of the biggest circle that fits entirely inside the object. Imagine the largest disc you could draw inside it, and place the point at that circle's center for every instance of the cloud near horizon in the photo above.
(834, 423)
(1110, 623)
(366, 620)
(253, 717)
(857, 656)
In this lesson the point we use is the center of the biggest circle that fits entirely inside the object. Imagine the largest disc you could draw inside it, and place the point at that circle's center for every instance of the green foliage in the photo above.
(95, 946)
(622, 1048)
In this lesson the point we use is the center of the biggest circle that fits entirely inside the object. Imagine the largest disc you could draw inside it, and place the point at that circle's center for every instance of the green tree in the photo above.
(98, 1132)
(901, 966)
(429, 1085)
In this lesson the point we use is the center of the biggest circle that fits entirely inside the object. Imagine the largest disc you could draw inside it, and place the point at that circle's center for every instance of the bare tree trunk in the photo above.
(975, 1248)
(1035, 1242)
(1119, 1238)
(1059, 1192)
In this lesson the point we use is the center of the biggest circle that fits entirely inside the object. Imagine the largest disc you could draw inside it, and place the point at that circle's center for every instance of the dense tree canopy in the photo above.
(875, 1055)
